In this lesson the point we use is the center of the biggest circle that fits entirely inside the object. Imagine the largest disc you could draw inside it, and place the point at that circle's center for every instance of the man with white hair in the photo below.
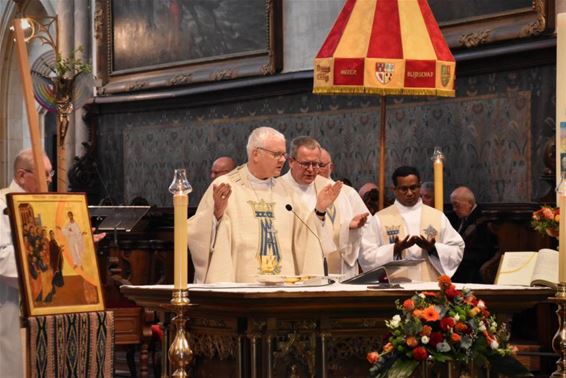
(242, 227)
(341, 229)
(10, 347)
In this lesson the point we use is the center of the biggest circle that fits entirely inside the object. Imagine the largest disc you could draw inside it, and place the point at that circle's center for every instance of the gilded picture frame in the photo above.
(55, 253)
(471, 23)
(164, 44)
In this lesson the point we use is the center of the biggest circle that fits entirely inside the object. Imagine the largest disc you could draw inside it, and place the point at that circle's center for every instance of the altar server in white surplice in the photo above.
(408, 229)
(341, 224)
(242, 227)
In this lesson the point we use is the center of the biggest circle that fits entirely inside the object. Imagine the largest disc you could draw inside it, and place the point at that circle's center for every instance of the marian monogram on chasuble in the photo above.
(269, 256)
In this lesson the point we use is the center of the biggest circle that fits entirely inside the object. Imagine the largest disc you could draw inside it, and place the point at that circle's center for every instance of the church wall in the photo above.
(493, 134)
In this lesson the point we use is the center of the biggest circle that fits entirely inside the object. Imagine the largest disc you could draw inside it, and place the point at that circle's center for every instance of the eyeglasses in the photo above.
(276, 155)
(309, 164)
(323, 165)
(405, 189)
(47, 174)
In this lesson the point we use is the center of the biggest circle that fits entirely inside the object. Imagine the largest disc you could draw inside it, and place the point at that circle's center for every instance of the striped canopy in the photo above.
(385, 47)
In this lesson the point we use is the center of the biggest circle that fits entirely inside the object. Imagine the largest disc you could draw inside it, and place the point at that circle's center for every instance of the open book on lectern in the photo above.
(529, 268)
(393, 272)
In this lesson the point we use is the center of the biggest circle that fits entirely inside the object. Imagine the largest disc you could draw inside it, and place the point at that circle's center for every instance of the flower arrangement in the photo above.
(439, 327)
(546, 220)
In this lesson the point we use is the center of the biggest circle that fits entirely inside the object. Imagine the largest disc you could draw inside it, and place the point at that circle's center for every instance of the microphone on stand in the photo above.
(324, 263)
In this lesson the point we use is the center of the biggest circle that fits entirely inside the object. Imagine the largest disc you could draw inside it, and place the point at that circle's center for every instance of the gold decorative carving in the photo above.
(357, 323)
(208, 323)
(476, 38)
(294, 355)
(537, 27)
(339, 349)
(297, 325)
(137, 86)
(98, 23)
(257, 326)
(222, 75)
(181, 79)
(214, 346)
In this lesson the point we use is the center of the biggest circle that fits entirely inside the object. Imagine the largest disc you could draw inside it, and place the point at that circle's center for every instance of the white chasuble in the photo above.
(341, 245)
(399, 220)
(256, 235)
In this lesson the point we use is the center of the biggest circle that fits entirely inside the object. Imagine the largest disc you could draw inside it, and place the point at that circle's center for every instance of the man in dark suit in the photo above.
(481, 243)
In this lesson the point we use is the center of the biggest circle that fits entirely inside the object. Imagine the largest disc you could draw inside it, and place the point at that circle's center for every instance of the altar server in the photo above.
(408, 229)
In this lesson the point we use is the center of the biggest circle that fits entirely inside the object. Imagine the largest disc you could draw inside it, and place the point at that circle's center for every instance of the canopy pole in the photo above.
(382, 154)
(33, 118)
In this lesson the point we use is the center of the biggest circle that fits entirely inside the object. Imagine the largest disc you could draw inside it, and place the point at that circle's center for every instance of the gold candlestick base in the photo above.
(180, 353)
(559, 339)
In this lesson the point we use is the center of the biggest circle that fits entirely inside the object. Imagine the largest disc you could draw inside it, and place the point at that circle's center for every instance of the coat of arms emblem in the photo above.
(384, 72)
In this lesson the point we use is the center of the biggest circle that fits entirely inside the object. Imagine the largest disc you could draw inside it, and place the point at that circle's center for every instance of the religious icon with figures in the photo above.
(55, 253)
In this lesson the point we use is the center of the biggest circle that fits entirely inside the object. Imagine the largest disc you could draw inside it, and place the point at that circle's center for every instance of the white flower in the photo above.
(424, 339)
(422, 295)
(481, 304)
(494, 344)
(482, 327)
(394, 323)
(456, 317)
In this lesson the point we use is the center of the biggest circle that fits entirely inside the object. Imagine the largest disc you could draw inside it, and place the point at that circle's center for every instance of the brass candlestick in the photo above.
(180, 353)
(559, 339)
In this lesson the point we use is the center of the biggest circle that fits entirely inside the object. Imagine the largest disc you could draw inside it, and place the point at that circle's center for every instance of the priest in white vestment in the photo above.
(408, 229)
(342, 225)
(242, 228)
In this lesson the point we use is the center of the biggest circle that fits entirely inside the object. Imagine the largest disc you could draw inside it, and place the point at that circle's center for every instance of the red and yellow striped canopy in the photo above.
(385, 47)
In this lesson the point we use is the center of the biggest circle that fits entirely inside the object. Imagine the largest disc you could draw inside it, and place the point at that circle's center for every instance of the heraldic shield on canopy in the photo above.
(398, 50)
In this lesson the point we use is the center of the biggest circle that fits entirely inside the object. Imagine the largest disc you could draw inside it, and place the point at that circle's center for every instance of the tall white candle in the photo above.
(561, 117)
(180, 205)
(562, 238)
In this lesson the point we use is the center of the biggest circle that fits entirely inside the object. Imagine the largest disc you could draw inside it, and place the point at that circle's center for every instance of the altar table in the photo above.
(239, 330)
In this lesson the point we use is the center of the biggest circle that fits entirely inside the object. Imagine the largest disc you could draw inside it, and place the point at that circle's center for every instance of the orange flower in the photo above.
(373, 357)
(444, 282)
(426, 331)
(417, 313)
(388, 347)
(461, 327)
(408, 304)
(430, 314)
(412, 341)
(455, 337)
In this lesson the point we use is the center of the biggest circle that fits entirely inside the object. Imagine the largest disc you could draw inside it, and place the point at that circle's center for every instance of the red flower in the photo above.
(455, 337)
(446, 323)
(373, 357)
(435, 338)
(408, 304)
(451, 292)
(420, 353)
